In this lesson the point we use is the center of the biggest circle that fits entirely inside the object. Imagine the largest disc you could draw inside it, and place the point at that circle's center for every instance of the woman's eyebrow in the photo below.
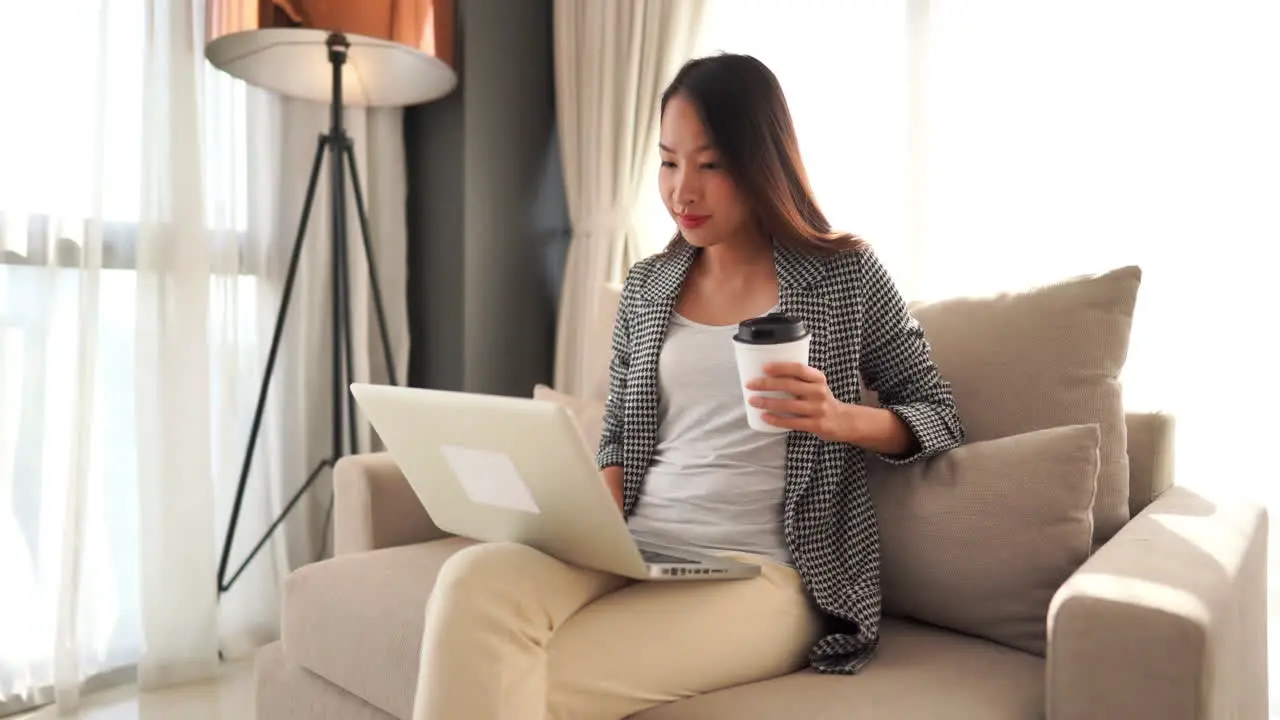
(700, 148)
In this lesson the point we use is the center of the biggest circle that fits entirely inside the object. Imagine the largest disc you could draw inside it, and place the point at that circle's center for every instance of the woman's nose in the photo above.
(685, 192)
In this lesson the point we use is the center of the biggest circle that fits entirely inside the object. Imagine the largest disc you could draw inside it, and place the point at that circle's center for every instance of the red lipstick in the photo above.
(689, 222)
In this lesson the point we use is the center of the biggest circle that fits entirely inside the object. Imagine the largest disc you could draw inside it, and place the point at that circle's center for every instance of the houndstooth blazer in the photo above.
(860, 330)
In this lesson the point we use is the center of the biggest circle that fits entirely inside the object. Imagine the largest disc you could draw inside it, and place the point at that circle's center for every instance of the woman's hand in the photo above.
(612, 476)
(814, 409)
(817, 411)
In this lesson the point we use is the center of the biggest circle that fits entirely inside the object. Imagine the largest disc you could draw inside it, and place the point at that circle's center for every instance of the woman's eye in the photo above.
(711, 166)
(668, 164)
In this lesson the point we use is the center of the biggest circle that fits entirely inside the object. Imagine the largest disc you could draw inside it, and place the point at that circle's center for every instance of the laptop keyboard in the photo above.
(653, 556)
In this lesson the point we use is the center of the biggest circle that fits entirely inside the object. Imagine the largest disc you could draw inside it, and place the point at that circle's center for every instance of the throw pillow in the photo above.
(979, 539)
(588, 413)
(1043, 358)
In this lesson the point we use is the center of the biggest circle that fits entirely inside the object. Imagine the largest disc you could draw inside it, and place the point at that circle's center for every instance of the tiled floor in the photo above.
(228, 698)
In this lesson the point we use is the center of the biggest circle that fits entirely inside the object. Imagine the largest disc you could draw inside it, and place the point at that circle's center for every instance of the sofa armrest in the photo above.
(1168, 620)
(374, 507)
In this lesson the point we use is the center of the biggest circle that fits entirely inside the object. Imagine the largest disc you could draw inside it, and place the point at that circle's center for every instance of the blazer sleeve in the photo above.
(897, 364)
(610, 451)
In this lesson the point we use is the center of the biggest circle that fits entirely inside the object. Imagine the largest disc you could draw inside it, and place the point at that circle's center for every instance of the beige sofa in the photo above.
(1165, 621)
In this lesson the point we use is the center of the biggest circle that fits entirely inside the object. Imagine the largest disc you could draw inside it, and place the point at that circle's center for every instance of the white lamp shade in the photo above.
(400, 51)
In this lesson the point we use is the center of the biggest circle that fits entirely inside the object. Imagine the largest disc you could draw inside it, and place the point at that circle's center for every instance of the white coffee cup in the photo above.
(763, 340)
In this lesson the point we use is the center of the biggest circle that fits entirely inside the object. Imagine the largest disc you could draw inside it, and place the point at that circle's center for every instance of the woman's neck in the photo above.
(728, 260)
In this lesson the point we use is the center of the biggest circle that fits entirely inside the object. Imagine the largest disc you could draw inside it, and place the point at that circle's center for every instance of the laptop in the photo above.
(504, 469)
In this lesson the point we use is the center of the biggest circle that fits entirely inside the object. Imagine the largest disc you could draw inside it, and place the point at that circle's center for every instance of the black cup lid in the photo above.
(771, 329)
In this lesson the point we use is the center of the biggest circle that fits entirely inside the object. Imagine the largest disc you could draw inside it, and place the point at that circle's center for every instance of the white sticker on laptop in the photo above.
(490, 478)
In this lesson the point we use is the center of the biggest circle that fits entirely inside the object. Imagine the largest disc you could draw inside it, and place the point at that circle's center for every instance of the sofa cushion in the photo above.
(356, 620)
(587, 412)
(980, 538)
(1043, 358)
(919, 673)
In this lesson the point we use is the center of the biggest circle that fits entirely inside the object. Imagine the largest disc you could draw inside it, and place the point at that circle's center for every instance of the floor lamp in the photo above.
(362, 53)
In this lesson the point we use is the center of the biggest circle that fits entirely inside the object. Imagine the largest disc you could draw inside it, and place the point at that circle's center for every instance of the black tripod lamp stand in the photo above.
(341, 69)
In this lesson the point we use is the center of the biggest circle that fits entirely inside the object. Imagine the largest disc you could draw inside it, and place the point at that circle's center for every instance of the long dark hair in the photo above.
(743, 109)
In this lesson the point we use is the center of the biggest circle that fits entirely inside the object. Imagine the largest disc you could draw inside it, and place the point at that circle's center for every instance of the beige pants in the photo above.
(514, 634)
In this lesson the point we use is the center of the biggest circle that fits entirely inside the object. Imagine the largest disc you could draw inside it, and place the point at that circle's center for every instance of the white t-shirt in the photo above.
(714, 483)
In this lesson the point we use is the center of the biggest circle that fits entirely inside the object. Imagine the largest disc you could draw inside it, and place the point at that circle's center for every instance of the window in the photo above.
(72, 357)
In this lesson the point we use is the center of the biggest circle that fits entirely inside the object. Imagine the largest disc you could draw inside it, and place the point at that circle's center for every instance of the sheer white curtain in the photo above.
(148, 204)
(984, 145)
(105, 286)
(612, 60)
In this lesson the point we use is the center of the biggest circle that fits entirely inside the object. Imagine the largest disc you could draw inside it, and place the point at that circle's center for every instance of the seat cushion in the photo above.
(356, 620)
(919, 673)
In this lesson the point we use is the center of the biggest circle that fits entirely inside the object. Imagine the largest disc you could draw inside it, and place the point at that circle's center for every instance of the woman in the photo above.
(513, 633)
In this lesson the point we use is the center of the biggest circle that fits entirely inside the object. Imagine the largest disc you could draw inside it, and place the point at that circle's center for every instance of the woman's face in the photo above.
(701, 197)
